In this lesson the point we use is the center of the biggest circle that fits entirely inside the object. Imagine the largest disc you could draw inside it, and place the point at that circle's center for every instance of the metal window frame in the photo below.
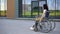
(31, 7)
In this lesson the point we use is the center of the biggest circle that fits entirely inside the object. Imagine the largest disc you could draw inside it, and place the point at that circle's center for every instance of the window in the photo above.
(3, 8)
(30, 7)
(26, 8)
(54, 7)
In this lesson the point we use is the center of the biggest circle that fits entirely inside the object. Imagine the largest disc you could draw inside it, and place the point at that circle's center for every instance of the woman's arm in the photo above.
(43, 15)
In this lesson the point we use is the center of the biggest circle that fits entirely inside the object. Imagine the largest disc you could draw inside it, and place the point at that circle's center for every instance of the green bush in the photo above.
(3, 12)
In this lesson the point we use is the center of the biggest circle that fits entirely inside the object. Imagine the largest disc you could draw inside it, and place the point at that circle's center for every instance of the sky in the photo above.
(51, 5)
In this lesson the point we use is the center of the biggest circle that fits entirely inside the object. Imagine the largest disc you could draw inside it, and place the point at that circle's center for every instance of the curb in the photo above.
(56, 20)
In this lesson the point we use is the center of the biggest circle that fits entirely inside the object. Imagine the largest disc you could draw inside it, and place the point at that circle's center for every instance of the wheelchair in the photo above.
(46, 25)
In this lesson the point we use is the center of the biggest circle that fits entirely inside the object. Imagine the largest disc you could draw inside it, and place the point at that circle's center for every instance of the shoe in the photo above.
(32, 28)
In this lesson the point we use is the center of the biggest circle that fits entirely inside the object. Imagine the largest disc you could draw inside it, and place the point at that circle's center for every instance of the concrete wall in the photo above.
(10, 8)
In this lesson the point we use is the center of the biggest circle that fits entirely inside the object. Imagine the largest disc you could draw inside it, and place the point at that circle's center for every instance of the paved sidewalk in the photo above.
(9, 26)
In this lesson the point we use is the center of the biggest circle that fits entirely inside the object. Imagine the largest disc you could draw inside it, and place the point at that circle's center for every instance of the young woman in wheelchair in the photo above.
(45, 14)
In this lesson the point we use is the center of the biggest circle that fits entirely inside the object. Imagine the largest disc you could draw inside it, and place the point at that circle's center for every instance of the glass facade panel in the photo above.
(3, 8)
(0, 7)
(58, 9)
(26, 8)
(31, 8)
(54, 8)
(34, 8)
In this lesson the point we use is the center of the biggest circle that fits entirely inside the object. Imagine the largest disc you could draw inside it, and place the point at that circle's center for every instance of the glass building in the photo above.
(30, 8)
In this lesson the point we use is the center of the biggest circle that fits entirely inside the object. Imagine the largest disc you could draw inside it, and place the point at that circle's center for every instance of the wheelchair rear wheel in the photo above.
(44, 26)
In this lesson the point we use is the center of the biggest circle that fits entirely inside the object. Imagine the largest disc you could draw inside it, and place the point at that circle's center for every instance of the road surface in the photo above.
(9, 26)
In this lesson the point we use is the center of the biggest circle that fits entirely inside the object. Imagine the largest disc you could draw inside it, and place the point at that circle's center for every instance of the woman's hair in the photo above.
(45, 7)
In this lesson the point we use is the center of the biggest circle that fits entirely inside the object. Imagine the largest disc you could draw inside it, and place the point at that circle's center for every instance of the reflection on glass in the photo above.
(34, 8)
(26, 8)
(3, 7)
(0, 5)
(53, 5)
